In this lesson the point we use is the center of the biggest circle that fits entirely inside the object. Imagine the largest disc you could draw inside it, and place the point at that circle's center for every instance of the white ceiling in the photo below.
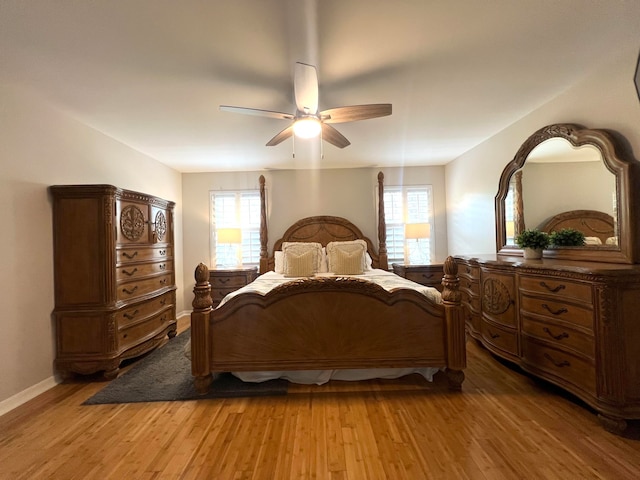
(152, 73)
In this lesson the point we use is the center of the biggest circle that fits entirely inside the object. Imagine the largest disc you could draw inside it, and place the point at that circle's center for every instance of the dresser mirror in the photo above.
(565, 175)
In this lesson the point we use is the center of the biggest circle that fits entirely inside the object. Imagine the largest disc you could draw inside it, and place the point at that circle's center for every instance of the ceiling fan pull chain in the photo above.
(321, 147)
(293, 143)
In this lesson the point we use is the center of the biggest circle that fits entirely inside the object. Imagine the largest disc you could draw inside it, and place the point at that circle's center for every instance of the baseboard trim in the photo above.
(26, 395)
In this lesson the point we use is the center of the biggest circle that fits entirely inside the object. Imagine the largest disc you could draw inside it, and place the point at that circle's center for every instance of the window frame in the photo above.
(250, 246)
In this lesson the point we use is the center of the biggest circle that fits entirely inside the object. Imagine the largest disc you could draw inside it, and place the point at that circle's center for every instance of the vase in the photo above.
(532, 253)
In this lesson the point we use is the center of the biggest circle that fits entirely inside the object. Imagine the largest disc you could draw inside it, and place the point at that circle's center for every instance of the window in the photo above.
(235, 228)
(408, 217)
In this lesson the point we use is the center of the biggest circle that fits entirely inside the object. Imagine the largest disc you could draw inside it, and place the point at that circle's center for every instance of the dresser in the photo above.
(575, 324)
(115, 292)
(225, 281)
(428, 275)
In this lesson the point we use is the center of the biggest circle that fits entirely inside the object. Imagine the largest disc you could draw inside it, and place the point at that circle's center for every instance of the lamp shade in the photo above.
(229, 235)
(417, 230)
(511, 229)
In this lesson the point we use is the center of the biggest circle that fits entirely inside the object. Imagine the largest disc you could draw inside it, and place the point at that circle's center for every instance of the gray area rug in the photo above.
(165, 375)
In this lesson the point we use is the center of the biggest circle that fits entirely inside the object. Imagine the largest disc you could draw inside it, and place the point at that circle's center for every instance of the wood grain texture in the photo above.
(504, 425)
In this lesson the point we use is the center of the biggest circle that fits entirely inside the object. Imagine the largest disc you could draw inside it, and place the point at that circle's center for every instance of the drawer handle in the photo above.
(552, 289)
(428, 277)
(162, 252)
(494, 335)
(557, 312)
(163, 281)
(564, 363)
(223, 280)
(129, 292)
(163, 301)
(125, 254)
(130, 316)
(556, 337)
(127, 273)
(162, 266)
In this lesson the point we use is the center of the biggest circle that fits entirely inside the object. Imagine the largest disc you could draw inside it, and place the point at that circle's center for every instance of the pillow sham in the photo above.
(303, 247)
(299, 264)
(278, 258)
(347, 263)
(359, 246)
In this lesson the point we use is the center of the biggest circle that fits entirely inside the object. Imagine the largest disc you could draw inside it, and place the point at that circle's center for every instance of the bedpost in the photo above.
(456, 351)
(382, 226)
(264, 255)
(200, 317)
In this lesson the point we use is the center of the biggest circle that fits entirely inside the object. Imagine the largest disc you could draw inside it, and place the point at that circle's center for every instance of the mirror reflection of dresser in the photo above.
(572, 317)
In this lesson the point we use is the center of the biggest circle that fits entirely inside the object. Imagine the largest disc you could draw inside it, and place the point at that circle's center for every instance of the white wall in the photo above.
(607, 99)
(295, 194)
(42, 146)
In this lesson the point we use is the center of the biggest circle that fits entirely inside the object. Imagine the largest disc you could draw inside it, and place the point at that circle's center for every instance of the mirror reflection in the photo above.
(556, 178)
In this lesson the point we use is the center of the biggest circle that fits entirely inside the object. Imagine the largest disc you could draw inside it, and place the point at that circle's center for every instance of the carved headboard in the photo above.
(324, 229)
(590, 222)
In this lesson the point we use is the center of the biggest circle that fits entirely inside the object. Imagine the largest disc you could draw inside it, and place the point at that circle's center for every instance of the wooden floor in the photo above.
(504, 425)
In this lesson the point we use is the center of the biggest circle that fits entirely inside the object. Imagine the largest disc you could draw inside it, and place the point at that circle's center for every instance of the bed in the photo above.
(328, 322)
(598, 227)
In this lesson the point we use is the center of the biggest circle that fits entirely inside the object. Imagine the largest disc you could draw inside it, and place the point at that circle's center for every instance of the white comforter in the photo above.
(387, 280)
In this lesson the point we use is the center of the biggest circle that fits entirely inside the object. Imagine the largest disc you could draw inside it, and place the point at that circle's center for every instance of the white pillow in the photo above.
(302, 247)
(278, 258)
(592, 241)
(359, 246)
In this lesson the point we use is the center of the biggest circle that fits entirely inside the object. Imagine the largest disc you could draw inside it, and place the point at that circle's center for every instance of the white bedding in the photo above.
(387, 280)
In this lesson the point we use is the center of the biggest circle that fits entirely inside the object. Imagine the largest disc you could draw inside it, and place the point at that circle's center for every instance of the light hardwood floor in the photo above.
(503, 425)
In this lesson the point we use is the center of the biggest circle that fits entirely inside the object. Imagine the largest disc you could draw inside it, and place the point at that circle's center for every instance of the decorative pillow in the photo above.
(347, 263)
(359, 246)
(303, 247)
(278, 258)
(299, 264)
(592, 241)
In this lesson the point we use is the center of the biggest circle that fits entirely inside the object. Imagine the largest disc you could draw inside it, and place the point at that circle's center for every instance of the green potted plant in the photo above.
(567, 237)
(532, 242)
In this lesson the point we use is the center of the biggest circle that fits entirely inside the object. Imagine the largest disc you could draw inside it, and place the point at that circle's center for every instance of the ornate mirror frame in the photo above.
(617, 157)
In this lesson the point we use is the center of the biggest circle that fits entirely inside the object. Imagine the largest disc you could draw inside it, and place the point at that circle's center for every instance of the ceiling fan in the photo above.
(308, 122)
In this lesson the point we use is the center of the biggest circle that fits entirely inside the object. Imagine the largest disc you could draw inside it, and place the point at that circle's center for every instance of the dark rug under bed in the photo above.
(165, 375)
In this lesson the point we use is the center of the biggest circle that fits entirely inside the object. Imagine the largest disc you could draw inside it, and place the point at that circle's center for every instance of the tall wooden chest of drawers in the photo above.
(115, 292)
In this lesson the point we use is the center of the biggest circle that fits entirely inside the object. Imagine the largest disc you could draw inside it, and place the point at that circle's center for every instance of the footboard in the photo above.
(327, 323)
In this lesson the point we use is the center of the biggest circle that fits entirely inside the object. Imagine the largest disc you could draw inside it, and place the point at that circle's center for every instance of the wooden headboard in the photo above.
(590, 222)
(324, 229)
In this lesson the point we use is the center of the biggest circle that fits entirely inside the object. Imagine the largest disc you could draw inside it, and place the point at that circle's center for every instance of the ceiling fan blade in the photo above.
(281, 137)
(334, 137)
(355, 112)
(305, 85)
(257, 112)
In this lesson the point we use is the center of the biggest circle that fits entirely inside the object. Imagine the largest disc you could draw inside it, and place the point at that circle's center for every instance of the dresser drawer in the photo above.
(136, 313)
(468, 271)
(143, 254)
(140, 331)
(559, 363)
(427, 278)
(502, 338)
(558, 288)
(129, 290)
(134, 271)
(560, 336)
(228, 281)
(472, 286)
(557, 310)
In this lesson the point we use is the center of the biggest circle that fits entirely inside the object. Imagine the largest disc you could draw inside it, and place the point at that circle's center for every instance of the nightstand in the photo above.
(224, 281)
(428, 275)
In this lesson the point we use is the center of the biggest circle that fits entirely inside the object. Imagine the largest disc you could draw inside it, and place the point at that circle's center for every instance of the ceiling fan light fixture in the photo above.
(307, 127)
